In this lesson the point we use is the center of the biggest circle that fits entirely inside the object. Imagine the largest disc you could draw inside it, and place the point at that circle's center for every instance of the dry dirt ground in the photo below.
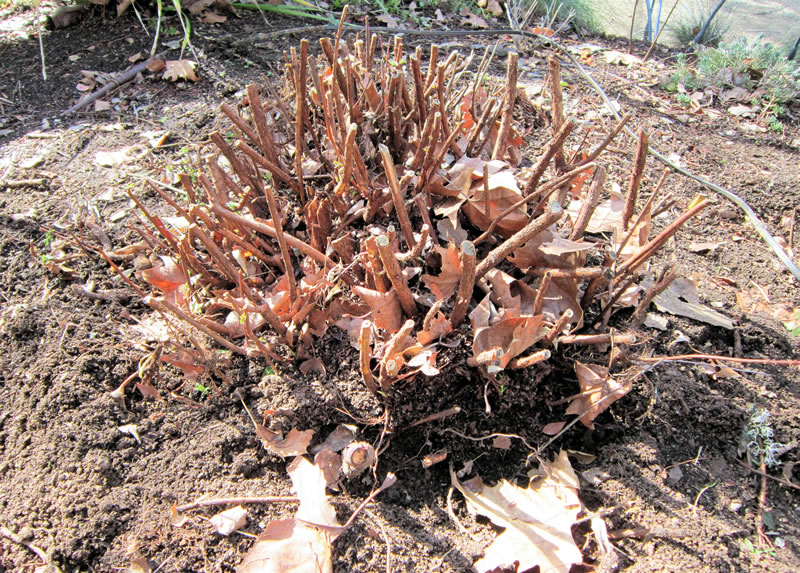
(92, 496)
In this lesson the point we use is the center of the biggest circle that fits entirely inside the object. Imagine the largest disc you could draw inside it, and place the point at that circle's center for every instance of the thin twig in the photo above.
(238, 501)
(7, 533)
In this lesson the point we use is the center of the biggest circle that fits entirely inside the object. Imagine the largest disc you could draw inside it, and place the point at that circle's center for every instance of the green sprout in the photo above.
(200, 387)
(757, 439)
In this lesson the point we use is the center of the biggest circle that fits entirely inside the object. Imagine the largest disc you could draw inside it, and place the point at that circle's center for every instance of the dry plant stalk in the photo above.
(331, 242)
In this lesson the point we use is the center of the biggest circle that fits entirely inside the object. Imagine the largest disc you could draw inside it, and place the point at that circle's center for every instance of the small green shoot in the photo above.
(757, 439)
(201, 388)
(268, 371)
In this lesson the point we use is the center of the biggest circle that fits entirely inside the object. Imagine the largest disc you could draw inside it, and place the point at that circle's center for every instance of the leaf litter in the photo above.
(538, 519)
(264, 274)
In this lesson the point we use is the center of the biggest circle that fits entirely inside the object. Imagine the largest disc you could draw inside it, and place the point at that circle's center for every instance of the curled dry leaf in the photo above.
(169, 279)
(498, 339)
(331, 465)
(538, 519)
(385, 306)
(438, 326)
(185, 361)
(598, 392)
(294, 444)
(445, 283)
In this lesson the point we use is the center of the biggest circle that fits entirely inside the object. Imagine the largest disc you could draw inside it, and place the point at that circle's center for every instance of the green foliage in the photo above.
(752, 65)
(757, 66)
(757, 439)
(690, 21)
(681, 75)
(551, 12)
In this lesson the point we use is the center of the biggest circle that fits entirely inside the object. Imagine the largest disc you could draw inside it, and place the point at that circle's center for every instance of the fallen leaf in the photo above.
(111, 158)
(538, 519)
(741, 111)
(390, 21)
(176, 518)
(681, 299)
(212, 17)
(294, 444)
(445, 283)
(497, 340)
(621, 58)
(384, 306)
(438, 326)
(474, 21)
(340, 437)
(132, 430)
(494, 8)
(180, 70)
(553, 428)
(598, 392)
(331, 465)
(185, 361)
(289, 546)
(230, 520)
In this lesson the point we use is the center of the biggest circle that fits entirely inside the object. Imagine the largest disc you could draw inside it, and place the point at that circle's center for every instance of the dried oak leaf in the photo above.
(168, 278)
(302, 544)
(549, 250)
(538, 519)
(437, 327)
(294, 444)
(180, 70)
(185, 361)
(503, 194)
(384, 306)
(598, 392)
(501, 337)
(445, 283)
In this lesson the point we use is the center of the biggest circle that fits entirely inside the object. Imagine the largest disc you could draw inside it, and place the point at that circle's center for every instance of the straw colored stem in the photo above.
(589, 204)
(166, 306)
(636, 178)
(603, 144)
(395, 275)
(275, 212)
(300, 115)
(591, 339)
(530, 360)
(240, 123)
(465, 285)
(262, 127)
(553, 147)
(647, 251)
(365, 354)
(554, 67)
(558, 327)
(655, 289)
(265, 227)
(508, 107)
(529, 231)
(538, 302)
(397, 197)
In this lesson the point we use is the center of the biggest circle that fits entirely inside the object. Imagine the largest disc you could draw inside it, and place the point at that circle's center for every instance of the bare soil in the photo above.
(92, 496)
